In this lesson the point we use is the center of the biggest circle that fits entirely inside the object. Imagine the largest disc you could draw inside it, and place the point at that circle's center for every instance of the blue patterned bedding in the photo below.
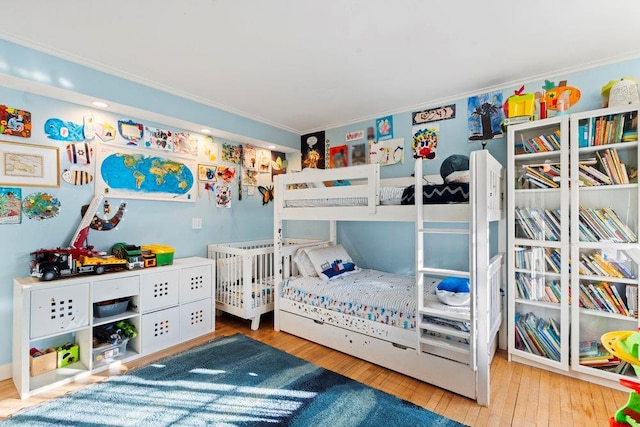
(433, 194)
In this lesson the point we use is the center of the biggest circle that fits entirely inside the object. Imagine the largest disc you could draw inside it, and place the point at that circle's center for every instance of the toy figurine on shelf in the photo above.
(565, 96)
(624, 345)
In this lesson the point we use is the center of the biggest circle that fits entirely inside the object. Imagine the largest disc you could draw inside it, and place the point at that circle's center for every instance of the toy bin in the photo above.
(41, 362)
(68, 354)
(108, 353)
(164, 254)
(100, 309)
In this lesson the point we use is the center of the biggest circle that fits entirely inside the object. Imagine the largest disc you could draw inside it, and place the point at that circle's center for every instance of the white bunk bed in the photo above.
(439, 355)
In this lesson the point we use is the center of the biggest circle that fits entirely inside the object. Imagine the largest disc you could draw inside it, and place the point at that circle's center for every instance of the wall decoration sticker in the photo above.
(60, 130)
(77, 176)
(15, 122)
(79, 153)
(223, 196)
(384, 128)
(312, 147)
(105, 131)
(267, 194)
(185, 143)
(40, 206)
(425, 141)
(354, 136)
(28, 164)
(89, 127)
(208, 150)
(359, 154)
(231, 153)
(250, 177)
(133, 173)
(485, 115)
(131, 131)
(338, 156)
(226, 173)
(159, 139)
(10, 205)
(207, 173)
(445, 112)
(387, 152)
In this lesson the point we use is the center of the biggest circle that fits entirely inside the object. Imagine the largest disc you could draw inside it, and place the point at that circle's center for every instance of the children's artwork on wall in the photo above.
(338, 156)
(159, 139)
(15, 122)
(79, 153)
(354, 136)
(445, 112)
(561, 97)
(223, 196)
(384, 128)
(388, 152)
(231, 153)
(10, 205)
(207, 173)
(40, 206)
(264, 161)
(267, 194)
(278, 163)
(358, 154)
(106, 223)
(105, 131)
(89, 127)
(207, 149)
(132, 173)
(425, 141)
(249, 157)
(312, 147)
(60, 130)
(226, 173)
(77, 176)
(485, 116)
(185, 143)
(250, 177)
(131, 131)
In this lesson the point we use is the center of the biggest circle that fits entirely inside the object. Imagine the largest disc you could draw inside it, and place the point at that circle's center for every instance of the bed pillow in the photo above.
(304, 264)
(332, 262)
(454, 163)
(454, 291)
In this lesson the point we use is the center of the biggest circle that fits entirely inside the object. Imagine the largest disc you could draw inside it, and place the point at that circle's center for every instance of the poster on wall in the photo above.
(134, 173)
(338, 156)
(10, 205)
(312, 146)
(158, 139)
(388, 152)
(425, 141)
(207, 150)
(485, 115)
(445, 112)
(278, 163)
(384, 128)
(358, 154)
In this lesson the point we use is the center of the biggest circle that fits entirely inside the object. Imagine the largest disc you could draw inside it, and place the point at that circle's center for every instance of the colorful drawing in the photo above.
(354, 136)
(264, 161)
(278, 163)
(159, 139)
(226, 173)
(206, 173)
(131, 131)
(561, 97)
(384, 128)
(63, 131)
(249, 157)
(77, 176)
(445, 112)
(184, 142)
(10, 205)
(105, 131)
(106, 224)
(359, 154)
(388, 152)
(79, 153)
(485, 116)
(250, 177)
(231, 153)
(338, 156)
(208, 150)
(425, 141)
(14, 121)
(223, 196)
(312, 147)
(41, 206)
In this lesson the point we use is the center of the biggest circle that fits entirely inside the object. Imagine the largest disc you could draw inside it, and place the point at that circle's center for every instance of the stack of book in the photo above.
(609, 129)
(593, 354)
(537, 259)
(593, 264)
(539, 144)
(604, 296)
(614, 169)
(536, 288)
(538, 336)
(603, 225)
(540, 176)
(538, 223)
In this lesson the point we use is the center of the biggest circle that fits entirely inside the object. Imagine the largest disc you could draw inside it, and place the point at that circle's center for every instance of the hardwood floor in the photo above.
(520, 395)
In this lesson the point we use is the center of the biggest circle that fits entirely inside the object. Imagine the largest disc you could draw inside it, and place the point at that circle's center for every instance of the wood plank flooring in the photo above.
(520, 395)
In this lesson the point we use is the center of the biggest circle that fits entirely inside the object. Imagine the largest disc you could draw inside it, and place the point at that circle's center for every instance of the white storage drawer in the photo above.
(118, 287)
(160, 329)
(195, 318)
(195, 283)
(59, 309)
(159, 290)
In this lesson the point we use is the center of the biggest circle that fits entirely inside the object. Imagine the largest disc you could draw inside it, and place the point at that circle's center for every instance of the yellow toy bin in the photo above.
(522, 105)
(164, 254)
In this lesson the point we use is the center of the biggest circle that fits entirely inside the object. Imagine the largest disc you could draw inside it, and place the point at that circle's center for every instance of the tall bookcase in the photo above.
(538, 242)
(574, 216)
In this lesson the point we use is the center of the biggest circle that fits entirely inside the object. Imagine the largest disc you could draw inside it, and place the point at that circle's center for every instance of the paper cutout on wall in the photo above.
(185, 143)
(89, 128)
(105, 131)
(159, 139)
(231, 153)
(79, 153)
(425, 141)
(207, 173)
(41, 206)
(131, 131)
(223, 196)
(15, 122)
(226, 173)
(77, 176)
(267, 194)
(249, 177)
(338, 156)
(63, 131)
(485, 116)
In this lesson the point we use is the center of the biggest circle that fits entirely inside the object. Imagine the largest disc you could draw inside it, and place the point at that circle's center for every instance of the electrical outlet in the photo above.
(196, 223)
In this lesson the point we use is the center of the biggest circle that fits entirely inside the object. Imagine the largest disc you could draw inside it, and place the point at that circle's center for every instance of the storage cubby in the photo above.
(166, 305)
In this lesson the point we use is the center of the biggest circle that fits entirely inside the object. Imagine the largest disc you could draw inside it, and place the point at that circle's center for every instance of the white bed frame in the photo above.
(461, 368)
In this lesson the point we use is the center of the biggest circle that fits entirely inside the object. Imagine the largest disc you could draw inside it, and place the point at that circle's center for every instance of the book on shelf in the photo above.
(538, 336)
(540, 143)
(607, 129)
(603, 224)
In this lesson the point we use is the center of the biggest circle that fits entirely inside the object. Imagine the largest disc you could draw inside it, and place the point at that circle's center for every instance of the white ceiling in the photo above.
(306, 65)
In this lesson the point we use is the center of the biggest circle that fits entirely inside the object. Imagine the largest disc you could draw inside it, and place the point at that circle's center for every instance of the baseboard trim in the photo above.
(5, 372)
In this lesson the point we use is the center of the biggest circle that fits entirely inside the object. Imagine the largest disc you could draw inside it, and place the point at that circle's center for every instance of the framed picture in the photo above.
(29, 165)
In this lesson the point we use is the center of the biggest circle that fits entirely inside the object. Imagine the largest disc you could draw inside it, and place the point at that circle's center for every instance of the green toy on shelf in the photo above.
(624, 345)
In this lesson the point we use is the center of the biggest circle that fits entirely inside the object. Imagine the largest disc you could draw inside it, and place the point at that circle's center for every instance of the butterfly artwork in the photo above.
(267, 194)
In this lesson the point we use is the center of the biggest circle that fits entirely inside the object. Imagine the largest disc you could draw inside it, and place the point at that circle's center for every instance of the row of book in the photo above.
(589, 175)
(603, 224)
(538, 223)
(609, 129)
(604, 296)
(539, 144)
(536, 288)
(594, 264)
(537, 259)
(613, 167)
(537, 335)
(593, 354)
(539, 176)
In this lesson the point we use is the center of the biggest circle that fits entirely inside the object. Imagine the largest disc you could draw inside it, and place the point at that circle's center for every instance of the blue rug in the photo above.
(232, 381)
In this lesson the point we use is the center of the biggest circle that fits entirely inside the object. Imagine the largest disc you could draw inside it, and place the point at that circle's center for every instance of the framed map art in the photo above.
(29, 165)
